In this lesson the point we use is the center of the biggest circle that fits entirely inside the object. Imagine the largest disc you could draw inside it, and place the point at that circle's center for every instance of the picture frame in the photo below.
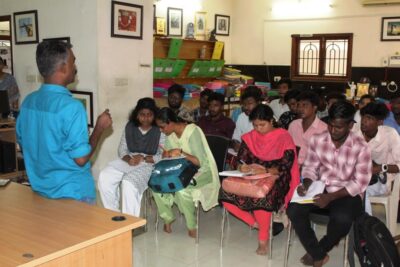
(154, 19)
(222, 24)
(86, 98)
(390, 30)
(26, 27)
(62, 39)
(200, 23)
(126, 20)
(174, 21)
(160, 27)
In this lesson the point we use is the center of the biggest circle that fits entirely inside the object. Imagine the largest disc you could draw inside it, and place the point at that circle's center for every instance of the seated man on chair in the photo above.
(342, 160)
(384, 143)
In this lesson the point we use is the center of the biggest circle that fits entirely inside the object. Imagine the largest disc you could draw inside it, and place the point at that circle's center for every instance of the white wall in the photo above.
(269, 37)
(212, 7)
(57, 18)
(121, 80)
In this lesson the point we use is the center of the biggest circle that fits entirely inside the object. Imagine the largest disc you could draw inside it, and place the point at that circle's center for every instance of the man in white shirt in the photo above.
(279, 106)
(250, 98)
(384, 143)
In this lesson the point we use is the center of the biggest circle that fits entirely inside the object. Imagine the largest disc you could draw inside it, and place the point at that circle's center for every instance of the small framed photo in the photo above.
(62, 39)
(160, 27)
(87, 101)
(126, 20)
(174, 21)
(26, 27)
(390, 29)
(200, 24)
(222, 24)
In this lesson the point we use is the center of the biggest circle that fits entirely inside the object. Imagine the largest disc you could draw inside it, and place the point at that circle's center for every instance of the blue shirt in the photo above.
(391, 122)
(52, 130)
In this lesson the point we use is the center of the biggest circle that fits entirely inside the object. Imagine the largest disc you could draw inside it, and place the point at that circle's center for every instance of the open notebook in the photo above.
(317, 187)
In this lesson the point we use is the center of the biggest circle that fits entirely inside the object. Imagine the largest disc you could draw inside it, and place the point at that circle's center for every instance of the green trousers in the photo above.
(183, 199)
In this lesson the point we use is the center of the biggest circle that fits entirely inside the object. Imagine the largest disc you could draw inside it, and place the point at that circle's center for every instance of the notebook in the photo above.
(317, 187)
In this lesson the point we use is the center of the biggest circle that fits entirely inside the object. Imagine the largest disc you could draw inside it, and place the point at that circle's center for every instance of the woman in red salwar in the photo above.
(264, 149)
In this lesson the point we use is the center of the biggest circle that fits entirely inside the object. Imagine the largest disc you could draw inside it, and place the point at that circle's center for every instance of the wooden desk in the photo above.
(61, 232)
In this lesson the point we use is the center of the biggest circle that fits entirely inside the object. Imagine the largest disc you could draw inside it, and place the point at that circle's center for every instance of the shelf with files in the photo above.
(191, 52)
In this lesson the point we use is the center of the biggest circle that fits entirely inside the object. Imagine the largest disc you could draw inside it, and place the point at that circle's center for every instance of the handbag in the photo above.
(255, 186)
(172, 175)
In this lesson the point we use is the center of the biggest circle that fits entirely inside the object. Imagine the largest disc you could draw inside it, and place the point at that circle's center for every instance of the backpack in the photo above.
(172, 175)
(374, 244)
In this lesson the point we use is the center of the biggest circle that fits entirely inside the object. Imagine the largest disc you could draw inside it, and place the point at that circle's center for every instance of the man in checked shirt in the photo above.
(342, 161)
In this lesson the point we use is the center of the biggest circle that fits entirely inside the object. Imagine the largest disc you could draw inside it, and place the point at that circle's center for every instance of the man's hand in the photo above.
(322, 200)
(104, 120)
(135, 160)
(303, 187)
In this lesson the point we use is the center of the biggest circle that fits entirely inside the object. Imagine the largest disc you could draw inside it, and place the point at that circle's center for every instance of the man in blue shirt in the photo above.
(52, 130)
(393, 120)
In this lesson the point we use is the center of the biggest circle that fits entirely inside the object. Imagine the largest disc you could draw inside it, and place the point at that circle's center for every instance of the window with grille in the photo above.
(321, 57)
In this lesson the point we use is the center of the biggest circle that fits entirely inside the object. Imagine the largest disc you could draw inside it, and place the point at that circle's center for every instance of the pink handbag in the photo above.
(255, 186)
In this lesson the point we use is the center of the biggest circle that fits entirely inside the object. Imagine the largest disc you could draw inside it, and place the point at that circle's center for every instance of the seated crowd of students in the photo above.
(293, 136)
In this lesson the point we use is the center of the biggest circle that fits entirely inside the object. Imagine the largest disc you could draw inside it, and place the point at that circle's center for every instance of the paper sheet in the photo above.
(317, 187)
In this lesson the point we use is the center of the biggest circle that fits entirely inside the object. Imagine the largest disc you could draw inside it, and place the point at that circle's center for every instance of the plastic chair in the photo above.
(390, 201)
(219, 148)
(279, 217)
(322, 218)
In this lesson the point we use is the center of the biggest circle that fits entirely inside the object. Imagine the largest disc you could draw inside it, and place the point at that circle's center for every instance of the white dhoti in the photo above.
(133, 180)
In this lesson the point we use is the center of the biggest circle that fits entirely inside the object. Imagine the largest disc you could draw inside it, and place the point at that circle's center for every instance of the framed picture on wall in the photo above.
(26, 27)
(160, 27)
(62, 39)
(222, 24)
(390, 29)
(174, 21)
(86, 98)
(200, 23)
(126, 20)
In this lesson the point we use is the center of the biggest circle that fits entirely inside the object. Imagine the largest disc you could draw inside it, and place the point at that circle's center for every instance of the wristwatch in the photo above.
(385, 168)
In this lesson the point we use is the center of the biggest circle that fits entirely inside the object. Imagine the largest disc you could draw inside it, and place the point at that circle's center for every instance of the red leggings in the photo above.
(262, 217)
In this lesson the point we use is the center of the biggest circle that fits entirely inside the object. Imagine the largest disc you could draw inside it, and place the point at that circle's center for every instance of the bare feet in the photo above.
(307, 260)
(262, 247)
(168, 228)
(192, 233)
(321, 262)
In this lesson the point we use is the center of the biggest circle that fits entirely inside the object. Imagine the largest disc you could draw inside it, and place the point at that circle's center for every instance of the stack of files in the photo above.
(174, 48)
(217, 53)
(167, 68)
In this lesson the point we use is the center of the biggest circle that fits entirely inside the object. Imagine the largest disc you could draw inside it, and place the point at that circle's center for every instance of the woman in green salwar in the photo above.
(189, 141)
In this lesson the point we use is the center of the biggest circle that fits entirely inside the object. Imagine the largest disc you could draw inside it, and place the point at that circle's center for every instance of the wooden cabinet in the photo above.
(8, 150)
(190, 51)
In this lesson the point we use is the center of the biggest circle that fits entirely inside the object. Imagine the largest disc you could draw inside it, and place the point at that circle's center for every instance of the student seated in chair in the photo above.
(216, 123)
(287, 117)
(342, 161)
(249, 99)
(138, 150)
(202, 110)
(279, 106)
(302, 129)
(384, 143)
(264, 149)
(187, 140)
(175, 98)
(393, 120)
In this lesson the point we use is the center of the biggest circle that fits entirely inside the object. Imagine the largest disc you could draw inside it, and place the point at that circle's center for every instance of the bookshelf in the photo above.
(190, 51)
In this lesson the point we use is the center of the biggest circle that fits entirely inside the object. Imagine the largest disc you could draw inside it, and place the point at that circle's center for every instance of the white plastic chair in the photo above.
(390, 201)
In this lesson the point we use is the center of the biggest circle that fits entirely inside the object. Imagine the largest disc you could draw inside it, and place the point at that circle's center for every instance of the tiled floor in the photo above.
(179, 250)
